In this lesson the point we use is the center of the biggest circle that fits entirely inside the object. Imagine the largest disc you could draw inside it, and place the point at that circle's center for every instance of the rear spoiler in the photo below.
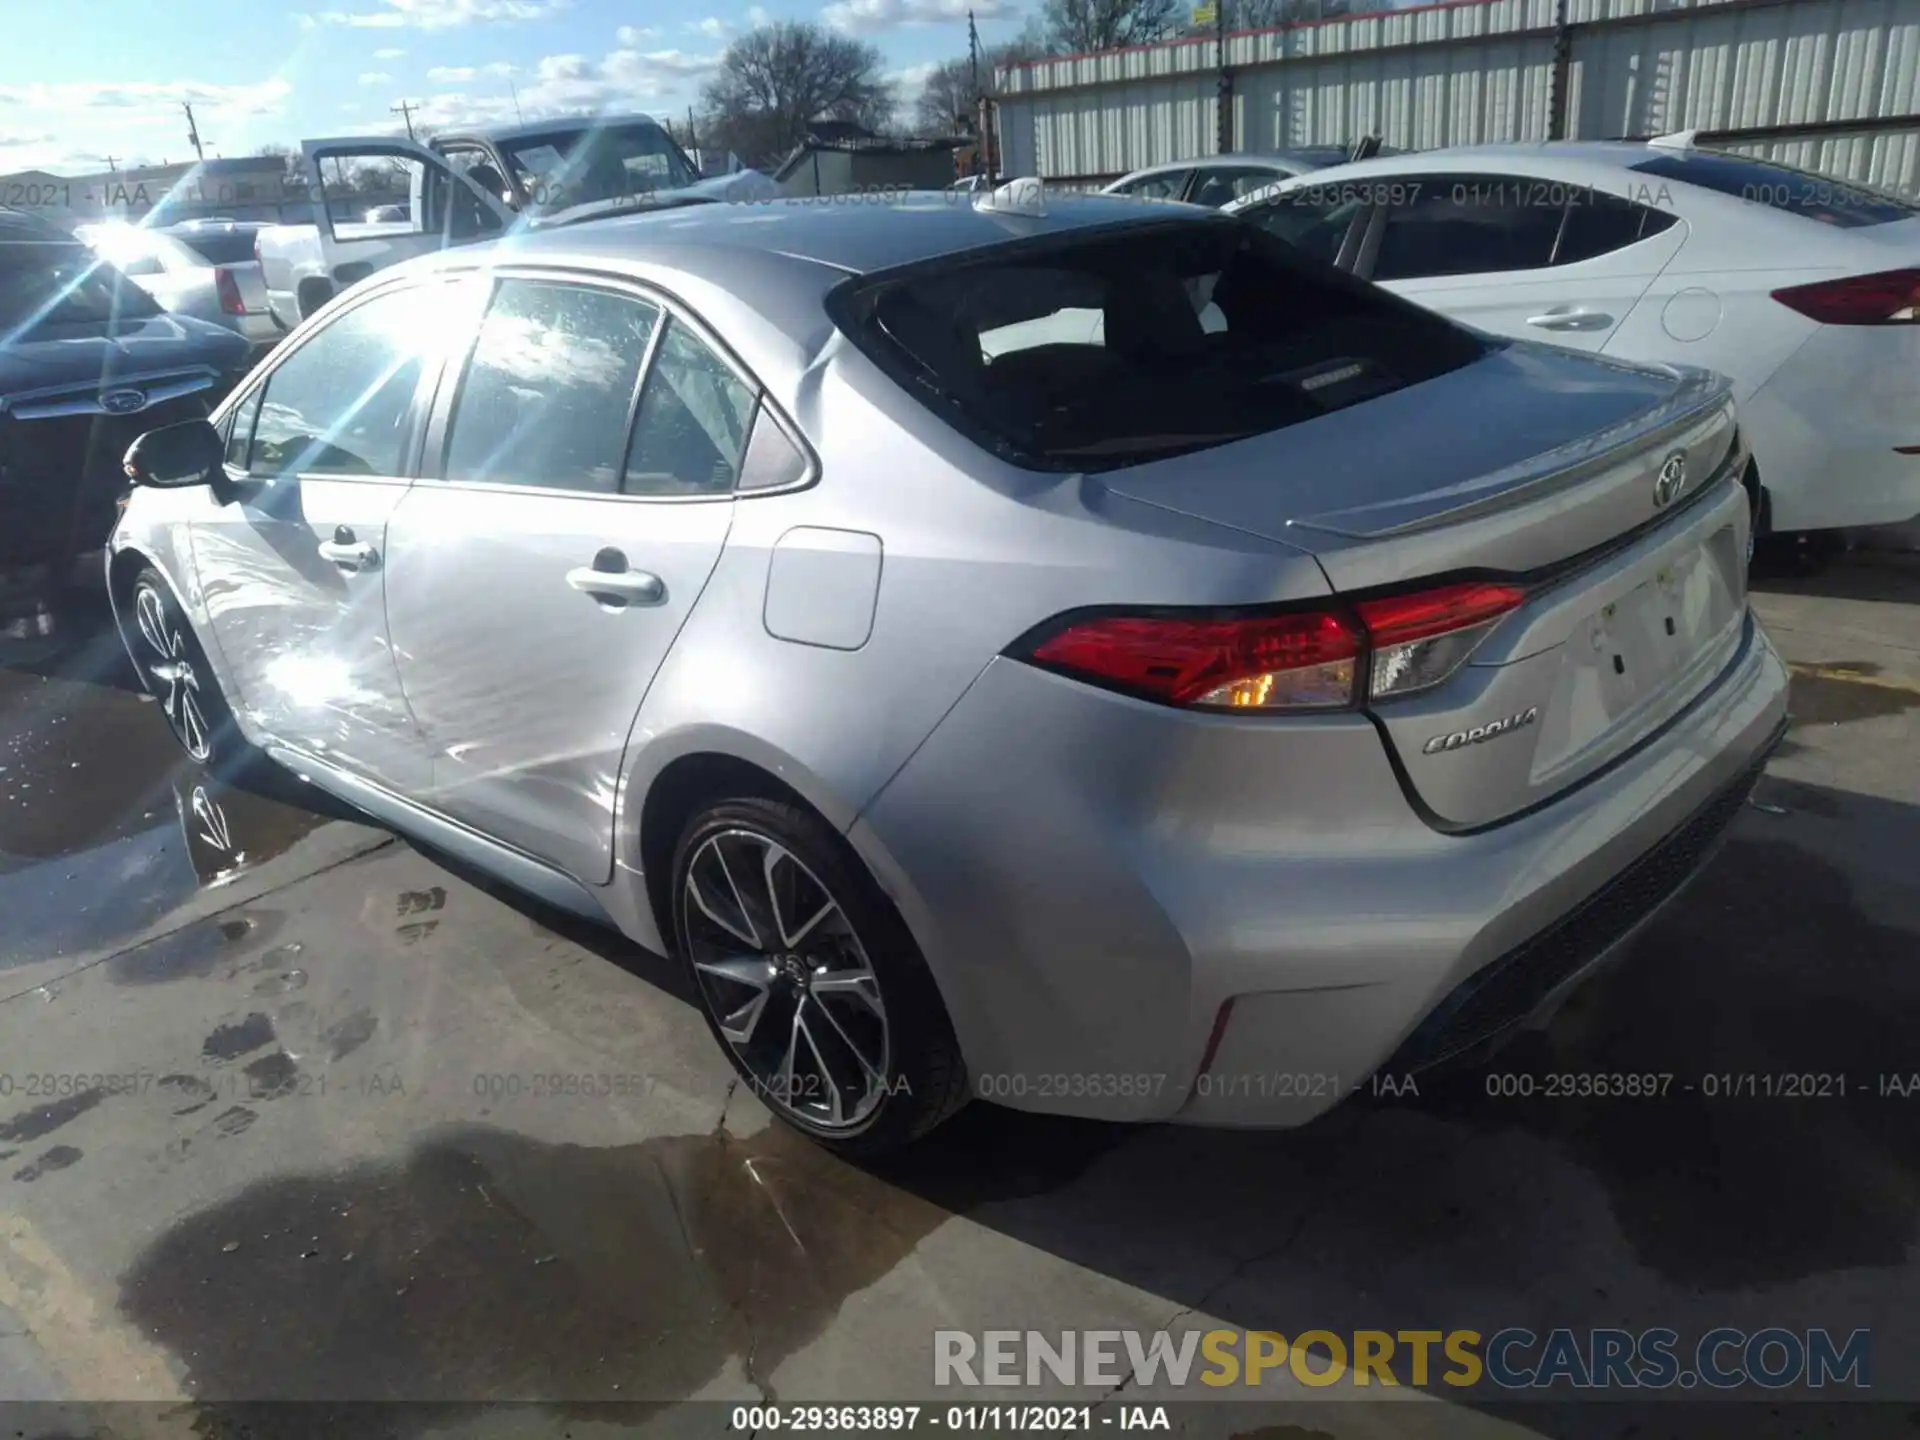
(1365, 148)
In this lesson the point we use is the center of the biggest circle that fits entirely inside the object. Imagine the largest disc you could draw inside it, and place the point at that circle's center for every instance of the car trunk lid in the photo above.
(1636, 584)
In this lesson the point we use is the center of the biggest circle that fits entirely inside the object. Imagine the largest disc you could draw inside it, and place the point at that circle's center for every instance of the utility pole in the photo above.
(515, 91)
(1223, 140)
(405, 112)
(977, 111)
(193, 131)
(112, 168)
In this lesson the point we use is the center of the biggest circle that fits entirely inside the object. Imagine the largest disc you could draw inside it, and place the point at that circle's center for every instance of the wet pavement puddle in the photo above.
(106, 826)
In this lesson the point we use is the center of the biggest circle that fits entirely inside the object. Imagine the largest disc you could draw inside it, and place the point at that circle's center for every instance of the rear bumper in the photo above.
(1136, 914)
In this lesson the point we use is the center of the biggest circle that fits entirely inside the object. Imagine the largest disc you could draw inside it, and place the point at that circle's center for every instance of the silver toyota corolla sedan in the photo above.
(1166, 722)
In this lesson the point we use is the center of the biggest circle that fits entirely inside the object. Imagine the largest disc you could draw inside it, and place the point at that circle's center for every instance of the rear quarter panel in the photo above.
(974, 553)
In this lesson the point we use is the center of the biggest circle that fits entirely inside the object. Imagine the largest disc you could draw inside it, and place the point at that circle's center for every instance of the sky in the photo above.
(75, 92)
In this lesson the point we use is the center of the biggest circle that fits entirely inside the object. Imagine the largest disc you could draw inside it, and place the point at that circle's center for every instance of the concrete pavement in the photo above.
(291, 1110)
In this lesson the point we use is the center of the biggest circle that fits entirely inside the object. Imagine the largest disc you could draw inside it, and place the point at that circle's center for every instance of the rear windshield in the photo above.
(1116, 347)
(64, 283)
(220, 247)
(1781, 187)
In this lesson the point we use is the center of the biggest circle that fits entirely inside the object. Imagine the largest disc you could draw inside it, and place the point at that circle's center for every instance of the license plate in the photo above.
(1640, 641)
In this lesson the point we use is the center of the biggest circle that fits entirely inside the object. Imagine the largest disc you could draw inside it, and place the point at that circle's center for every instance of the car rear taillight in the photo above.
(1320, 659)
(1891, 297)
(1421, 638)
(229, 291)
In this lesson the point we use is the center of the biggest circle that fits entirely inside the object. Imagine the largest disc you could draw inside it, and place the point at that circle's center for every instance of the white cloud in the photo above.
(631, 35)
(460, 74)
(913, 79)
(758, 15)
(441, 14)
(73, 125)
(388, 54)
(563, 85)
(374, 77)
(866, 17)
(713, 27)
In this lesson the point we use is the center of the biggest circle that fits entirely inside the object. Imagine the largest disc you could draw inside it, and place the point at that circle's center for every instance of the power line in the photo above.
(405, 111)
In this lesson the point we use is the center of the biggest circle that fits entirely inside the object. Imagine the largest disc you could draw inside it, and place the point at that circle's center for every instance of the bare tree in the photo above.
(947, 100)
(1271, 14)
(1078, 26)
(773, 81)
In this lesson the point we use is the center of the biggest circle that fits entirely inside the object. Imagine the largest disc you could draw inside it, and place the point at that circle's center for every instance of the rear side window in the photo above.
(1112, 348)
(692, 427)
(1221, 184)
(1469, 225)
(1598, 224)
(1821, 198)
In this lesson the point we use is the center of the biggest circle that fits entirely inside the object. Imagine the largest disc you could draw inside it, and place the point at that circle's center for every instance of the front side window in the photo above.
(1163, 185)
(615, 162)
(1470, 225)
(240, 429)
(549, 387)
(343, 403)
(691, 430)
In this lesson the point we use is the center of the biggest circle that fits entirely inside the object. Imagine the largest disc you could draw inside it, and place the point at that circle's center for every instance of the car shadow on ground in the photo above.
(1783, 568)
(487, 1265)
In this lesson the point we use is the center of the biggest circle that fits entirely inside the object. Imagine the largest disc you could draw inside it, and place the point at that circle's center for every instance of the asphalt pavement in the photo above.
(373, 1129)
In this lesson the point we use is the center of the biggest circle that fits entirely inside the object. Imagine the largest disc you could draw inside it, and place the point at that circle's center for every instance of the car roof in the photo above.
(850, 238)
(534, 130)
(759, 271)
(1568, 158)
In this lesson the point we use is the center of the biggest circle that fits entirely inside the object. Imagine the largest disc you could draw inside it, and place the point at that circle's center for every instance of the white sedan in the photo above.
(1803, 289)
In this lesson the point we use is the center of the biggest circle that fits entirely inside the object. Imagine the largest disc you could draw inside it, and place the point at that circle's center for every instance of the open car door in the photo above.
(352, 176)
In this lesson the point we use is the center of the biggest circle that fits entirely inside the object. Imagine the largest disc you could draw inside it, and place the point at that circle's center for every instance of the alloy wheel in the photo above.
(170, 672)
(787, 980)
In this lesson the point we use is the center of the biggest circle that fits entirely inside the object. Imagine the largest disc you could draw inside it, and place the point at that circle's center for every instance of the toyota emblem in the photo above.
(1671, 480)
(123, 402)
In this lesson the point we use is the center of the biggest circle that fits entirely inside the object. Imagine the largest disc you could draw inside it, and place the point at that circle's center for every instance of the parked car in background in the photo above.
(88, 360)
(1218, 180)
(1803, 289)
(475, 186)
(177, 271)
(1212, 704)
(386, 214)
(219, 242)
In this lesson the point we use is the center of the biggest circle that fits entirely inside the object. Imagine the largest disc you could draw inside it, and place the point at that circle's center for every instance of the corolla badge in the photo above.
(1477, 734)
(123, 402)
(1671, 480)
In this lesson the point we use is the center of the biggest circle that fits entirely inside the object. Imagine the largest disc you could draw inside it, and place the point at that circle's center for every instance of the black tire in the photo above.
(173, 667)
(924, 1079)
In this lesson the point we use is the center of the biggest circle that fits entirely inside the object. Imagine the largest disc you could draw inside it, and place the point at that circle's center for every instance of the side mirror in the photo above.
(177, 456)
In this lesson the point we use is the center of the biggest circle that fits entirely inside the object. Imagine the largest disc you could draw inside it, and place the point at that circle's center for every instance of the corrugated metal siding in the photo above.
(1482, 72)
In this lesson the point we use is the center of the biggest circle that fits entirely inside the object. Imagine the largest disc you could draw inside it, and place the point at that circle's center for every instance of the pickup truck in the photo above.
(475, 186)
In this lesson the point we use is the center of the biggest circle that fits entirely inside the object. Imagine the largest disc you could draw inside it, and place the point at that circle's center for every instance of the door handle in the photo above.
(635, 586)
(346, 552)
(1571, 320)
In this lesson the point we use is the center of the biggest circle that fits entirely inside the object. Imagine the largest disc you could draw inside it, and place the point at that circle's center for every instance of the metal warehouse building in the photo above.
(1830, 85)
